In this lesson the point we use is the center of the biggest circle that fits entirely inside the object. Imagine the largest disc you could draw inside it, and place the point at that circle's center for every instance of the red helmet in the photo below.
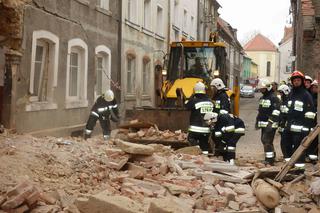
(297, 74)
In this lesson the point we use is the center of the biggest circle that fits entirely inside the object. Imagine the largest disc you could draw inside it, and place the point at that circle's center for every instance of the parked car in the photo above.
(247, 91)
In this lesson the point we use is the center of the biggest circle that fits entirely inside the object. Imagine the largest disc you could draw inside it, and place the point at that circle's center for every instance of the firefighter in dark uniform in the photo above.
(221, 99)
(104, 109)
(312, 151)
(268, 118)
(307, 83)
(227, 129)
(300, 117)
(199, 104)
(284, 91)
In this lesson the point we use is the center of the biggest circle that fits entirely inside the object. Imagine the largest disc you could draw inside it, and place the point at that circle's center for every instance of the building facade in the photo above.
(285, 54)
(207, 18)
(246, 68)
(306, 44)
(234, 51)
(144, 44)
(183, 20)
(66, 56)
(264, 53)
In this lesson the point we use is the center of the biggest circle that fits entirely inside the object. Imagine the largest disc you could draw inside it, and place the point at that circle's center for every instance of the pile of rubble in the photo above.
(140, 131)
(71, 175)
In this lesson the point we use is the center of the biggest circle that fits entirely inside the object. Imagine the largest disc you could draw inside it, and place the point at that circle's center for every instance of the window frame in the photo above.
(132, 79)
(103, 3)
(160, 25)
(104, 52)
(35, 104)
(81, 99)
(146, 71)
(147, 12)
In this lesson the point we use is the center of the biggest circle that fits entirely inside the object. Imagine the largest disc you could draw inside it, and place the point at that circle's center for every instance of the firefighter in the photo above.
(104, 109)
(274, 86)
(227, 129)
(199, 104)
(307, 82)
(284, 91)
(300, 117)
(268, 118)
(312, 151)
(221, 99)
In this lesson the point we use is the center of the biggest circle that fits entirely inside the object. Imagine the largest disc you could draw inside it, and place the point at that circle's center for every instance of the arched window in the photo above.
(131, 72)
(77, 71)
(103, 69)
(43, 71)
(146, 71)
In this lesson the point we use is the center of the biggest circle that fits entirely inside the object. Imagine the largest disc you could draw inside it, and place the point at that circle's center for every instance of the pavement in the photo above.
(250, 146)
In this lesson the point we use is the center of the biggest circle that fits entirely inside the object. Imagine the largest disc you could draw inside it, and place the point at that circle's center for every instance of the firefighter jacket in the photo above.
(227, 126)
(221, 102)
(283, 112)
(269, 110)
(105, 109)
(301, 114)
(199, 105)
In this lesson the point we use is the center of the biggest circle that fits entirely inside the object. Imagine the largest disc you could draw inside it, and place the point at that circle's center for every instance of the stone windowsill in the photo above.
(130, 97)
(146, 97)
(72, 104)
(39, 106)
(159, 37)
(147, 32)
(103, 11)
(84, 2)
(132, 25)
(175, 27)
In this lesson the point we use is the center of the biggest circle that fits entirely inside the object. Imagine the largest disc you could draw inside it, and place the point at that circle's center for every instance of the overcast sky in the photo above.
(266, 16)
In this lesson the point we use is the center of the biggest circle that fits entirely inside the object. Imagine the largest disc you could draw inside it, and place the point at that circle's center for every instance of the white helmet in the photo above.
(211, 116)
(109, 95)
(199, 88)
(218, 83)
(284, 88)
(314, 83)
(308, 78)
(264, 83)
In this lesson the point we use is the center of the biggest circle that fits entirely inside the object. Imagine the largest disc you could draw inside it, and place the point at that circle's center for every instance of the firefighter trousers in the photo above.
(104, 123)
(293, 141)
(286, 146)
(199, 139)
(267, 136)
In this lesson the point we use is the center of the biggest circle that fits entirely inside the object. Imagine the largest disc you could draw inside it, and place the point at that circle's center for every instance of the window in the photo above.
(77, 69)
(132, 10)
(131, 72)
(176, 13)
(103, 70)
(44, 70)
(192, 25)
(104, 4)
(147, 14)
(185, 20)
(159, 20)
(146, 75)
(268, 68)
(176, 35)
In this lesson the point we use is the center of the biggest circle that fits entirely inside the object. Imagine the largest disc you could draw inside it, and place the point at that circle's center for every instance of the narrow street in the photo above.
(250, 146)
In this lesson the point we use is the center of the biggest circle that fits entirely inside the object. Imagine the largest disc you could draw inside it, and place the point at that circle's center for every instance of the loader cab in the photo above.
(195, 60)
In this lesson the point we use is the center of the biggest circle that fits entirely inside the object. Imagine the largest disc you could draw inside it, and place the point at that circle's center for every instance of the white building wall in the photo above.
(142, 42)
(285, 50)
(177, 19)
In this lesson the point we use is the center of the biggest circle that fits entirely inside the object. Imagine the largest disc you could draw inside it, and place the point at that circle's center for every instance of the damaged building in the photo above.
(55, 59)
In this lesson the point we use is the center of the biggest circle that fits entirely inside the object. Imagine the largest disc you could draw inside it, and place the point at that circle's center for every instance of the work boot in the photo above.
(269, 161)
(106, 137)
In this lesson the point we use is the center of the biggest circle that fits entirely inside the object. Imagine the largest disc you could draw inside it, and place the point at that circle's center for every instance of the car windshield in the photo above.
(247, 88)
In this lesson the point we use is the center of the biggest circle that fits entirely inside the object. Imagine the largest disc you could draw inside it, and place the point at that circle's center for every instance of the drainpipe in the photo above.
(169, 26)
(198, 22)
(120, 51)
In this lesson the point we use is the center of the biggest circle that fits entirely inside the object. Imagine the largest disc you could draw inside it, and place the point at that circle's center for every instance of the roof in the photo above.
(228, 29)
(260, 43)
(288, 34)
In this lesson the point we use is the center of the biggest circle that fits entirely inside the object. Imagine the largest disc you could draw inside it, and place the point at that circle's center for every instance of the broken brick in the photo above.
(17, 200)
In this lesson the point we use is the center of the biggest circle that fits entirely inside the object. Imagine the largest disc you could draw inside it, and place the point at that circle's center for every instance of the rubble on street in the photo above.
(73, 175)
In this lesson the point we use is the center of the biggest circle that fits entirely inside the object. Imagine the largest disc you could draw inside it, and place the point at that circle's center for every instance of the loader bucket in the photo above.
(165, 118)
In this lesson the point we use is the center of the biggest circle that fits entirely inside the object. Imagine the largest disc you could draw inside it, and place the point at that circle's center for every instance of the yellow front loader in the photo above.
(188, 63)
